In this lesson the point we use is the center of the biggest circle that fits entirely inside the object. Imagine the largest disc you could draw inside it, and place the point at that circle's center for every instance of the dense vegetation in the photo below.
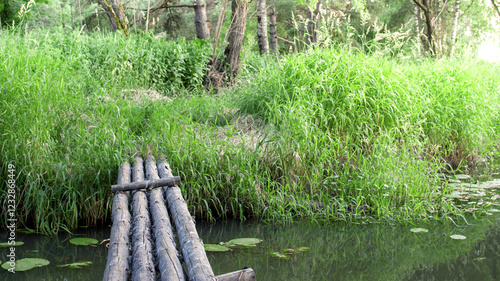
(329, 134)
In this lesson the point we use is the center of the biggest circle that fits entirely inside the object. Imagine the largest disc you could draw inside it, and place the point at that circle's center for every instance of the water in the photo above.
(58, 251)
(337, 252)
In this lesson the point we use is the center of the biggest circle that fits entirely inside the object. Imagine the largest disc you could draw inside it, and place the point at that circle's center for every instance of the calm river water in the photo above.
(337, 252)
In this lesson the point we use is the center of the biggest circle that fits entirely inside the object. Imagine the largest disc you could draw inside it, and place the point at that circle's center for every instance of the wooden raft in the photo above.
(142, 242)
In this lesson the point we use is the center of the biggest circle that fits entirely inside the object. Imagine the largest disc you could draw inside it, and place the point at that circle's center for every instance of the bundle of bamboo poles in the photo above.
(148, 233)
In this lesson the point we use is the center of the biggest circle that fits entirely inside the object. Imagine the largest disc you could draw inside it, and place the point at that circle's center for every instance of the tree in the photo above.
(273, 34)
(455, 26)
(116, 13)
(200, 20)
(230, 66)
(262, 27)
(426, 6)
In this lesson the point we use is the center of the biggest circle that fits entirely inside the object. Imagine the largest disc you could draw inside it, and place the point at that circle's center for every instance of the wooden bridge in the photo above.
(142, 244)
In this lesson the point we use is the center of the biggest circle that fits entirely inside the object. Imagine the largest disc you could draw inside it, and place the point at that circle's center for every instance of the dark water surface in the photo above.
(337, 252)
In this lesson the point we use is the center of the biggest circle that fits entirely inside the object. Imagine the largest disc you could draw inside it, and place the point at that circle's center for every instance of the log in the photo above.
(117, 265)
(149, 184)
(169, 264)
(142, 257)
(197, 265)
(246, 274)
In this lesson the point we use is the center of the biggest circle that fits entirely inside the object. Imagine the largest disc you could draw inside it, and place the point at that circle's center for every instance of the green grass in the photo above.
(327, 135)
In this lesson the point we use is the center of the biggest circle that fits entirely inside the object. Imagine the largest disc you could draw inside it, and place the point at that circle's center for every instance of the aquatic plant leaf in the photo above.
(26, 264)
(6, 244)
(419, 229)
(245, 241)
(26, 230)
(296, 250)
(302, 249)
(20, 265)
(77, 265)
(83, 241)
(215, 248)
(38, 262)
(458, 237)
(279, 255)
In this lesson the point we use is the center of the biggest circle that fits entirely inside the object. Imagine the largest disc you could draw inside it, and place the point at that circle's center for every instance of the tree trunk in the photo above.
(495, 6)
(116, 13)
(417, 23)
(455, 27)
(200, 20)
(426, 6)
(262, 27)
(114, 25)
(236, 34)
(273, 34)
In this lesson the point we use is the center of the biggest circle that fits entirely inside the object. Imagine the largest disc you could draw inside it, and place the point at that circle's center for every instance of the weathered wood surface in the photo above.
(149, 184)
(198, 267)
(142, 258)
(117, 265)
(273, 34)
(246, 274)
(169, 265)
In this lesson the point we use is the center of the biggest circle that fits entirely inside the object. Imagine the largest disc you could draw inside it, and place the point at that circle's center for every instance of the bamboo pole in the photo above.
(168, 258)
(149, 184)
(246, 274)
(117, 266)
(142, 257)
(198, 267)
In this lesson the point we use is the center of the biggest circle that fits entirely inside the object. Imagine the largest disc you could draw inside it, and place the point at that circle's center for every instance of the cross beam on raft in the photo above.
(146, 184)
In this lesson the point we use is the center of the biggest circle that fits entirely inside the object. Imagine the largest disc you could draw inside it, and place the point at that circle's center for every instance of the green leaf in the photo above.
(418, 229)
(6, 244)
(245, 241)
(77, 265)
(279, 255)
(26, 264)
(215, 248)
(83, 241)
(458, 237)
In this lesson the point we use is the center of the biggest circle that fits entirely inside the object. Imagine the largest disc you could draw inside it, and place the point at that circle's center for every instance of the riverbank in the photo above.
(329, 135)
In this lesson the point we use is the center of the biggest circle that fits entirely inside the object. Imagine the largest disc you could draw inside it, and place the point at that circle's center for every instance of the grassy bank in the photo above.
(329, 135)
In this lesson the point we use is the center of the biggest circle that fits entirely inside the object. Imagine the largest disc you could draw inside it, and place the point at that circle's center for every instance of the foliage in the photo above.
(326, 135)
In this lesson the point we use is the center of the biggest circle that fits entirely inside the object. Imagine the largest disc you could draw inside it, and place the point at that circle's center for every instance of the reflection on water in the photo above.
(58, 250)
(338, 252)
(363, 252)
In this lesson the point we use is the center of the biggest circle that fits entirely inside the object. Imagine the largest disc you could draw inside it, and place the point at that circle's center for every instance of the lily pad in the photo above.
(83, 241)
(215, 248)
(458, 237)
(77, 265)
(279, 255)
(419, 229)
(245, 241)
(296, 250)
(6, 244)
(26, 264)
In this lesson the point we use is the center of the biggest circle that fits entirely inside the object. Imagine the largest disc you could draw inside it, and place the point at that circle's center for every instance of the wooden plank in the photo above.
(149, 184)
(142, 250)
(169, 264)
(117, 264)
(198, 267)
(246, 274)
